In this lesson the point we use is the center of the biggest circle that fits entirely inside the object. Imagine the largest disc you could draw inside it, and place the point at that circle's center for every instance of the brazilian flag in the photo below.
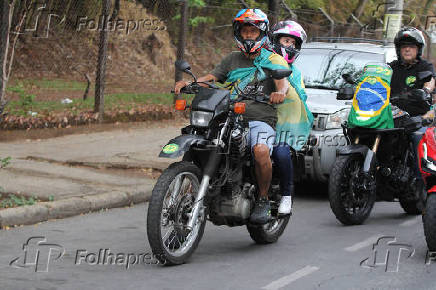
(371, 107)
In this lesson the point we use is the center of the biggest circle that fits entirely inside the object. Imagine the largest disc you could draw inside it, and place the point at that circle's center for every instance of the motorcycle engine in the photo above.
(233, 209)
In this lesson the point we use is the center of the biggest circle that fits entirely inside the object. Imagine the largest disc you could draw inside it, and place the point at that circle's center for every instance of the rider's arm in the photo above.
(282, 87)
(429, 86)
(181, 84)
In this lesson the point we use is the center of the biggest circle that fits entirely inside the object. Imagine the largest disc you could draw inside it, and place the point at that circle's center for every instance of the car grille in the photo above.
(319, 121)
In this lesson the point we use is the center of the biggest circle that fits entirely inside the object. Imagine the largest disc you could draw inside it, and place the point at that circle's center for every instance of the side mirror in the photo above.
(182, 65)
(425, 76)
(349, 79)
(345, 93)
(280, 73)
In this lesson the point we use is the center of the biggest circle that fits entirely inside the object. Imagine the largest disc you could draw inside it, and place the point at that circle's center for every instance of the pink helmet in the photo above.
(291, 29)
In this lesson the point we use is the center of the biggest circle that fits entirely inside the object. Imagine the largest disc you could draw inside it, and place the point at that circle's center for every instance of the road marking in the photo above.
(286, 280)
(363, 244)
(410, 222)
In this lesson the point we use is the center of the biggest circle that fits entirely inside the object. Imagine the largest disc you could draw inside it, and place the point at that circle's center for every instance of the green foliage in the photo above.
(194, 22)
(4, 162)
(12, 200)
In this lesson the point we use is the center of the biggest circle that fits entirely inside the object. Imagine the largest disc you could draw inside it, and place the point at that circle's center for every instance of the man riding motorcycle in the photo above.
(250, 28)
(409, 45)
(287, 38)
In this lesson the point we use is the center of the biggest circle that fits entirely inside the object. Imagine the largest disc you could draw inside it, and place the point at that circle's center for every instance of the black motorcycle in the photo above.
(214, 181)
(380, 163)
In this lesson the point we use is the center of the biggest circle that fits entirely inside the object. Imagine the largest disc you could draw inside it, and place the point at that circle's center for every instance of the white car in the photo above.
(322, 65)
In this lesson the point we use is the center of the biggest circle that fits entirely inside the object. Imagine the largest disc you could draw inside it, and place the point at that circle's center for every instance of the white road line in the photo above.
(363, 244)
(410, 222)
(286, 280)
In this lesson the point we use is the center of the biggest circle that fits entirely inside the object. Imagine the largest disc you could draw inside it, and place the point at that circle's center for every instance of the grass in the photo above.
(11, 200)
(58, 85)
(27, 103)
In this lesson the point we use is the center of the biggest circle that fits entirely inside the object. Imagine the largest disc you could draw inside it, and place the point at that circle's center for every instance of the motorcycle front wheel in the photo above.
(170, 207)
(429, 221)
(349, 200)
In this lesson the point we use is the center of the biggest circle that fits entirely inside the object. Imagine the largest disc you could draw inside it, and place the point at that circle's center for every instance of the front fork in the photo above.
(370, 159)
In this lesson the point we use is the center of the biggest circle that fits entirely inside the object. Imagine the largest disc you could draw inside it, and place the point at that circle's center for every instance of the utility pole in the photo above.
(392, 19)
(182, 36)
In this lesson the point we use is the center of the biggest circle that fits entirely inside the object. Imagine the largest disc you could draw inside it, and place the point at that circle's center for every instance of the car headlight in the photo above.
(335, 120)
(200, 118)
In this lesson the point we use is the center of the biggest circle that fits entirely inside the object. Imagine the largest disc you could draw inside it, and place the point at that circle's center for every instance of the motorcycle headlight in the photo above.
(200, 118)
(335, 120)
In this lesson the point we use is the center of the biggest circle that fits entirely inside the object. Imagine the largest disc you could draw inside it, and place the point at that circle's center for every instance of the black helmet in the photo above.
(409, 35)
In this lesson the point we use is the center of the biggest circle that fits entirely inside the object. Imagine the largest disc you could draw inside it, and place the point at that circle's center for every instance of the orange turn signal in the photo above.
(239, 108)
(180, 105)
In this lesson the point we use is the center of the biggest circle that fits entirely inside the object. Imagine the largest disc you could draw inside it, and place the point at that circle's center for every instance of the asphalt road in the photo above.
(315, 252)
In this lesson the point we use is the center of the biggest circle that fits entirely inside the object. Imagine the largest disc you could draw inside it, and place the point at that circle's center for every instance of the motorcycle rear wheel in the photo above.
(350, 206)
(429, 221)
(170, 205)
(270, 232)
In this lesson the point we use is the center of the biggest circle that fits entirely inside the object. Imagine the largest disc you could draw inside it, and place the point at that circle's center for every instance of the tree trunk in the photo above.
(358, 11)
(182, 36)
(101, 65)
(273, 7)
(4, 45)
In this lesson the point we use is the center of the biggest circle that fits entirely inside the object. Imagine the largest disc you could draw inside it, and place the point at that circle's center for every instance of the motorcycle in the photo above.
(215, 179)
(380, 163)
(427, 165)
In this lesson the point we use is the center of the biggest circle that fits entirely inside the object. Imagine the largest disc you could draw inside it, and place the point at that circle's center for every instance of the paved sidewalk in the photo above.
(85, 172)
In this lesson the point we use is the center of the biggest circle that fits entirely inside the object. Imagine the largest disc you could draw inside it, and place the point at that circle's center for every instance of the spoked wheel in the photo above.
(270, 232)
(351, 193)
(169, 210)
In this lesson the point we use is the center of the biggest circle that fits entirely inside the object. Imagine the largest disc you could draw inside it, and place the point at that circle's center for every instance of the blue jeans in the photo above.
(282, 157)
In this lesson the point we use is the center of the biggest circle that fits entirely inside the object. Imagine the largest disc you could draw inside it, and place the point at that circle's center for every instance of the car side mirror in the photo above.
(349, 79)
(279, 74)
(346, 93)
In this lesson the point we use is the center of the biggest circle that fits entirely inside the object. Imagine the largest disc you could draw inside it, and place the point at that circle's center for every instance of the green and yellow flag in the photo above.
(371, 107)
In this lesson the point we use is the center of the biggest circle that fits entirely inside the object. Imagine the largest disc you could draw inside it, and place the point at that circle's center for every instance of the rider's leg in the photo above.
(262, 138)
(282, 158)
(263, 168)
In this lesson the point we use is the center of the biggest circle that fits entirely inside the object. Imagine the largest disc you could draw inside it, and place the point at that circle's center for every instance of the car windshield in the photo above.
(323, 68)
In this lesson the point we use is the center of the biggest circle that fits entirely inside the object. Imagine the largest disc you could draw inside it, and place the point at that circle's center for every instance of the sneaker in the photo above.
(261, 213)
(285, 205)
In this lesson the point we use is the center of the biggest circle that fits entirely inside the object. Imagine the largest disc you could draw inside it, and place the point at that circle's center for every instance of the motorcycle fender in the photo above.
(353, 149)
(368, 155)
(179, 145)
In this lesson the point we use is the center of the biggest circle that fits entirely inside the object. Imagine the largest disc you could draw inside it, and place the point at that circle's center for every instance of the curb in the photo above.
(44, 211)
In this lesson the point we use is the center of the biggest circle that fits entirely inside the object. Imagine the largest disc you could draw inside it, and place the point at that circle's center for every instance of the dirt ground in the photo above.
(35, 134)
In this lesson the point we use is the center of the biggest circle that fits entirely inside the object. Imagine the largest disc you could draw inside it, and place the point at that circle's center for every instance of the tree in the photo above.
(6, 50)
